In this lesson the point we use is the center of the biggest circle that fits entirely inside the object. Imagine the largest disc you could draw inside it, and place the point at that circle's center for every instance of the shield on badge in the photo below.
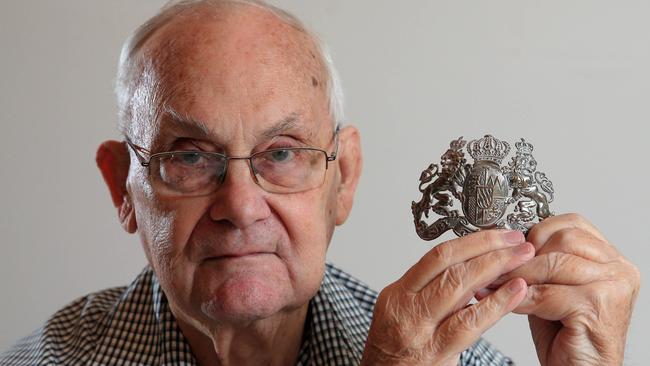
(486, 190)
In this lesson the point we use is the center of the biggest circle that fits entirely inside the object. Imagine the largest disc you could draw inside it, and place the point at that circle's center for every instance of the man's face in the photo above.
(254, 84)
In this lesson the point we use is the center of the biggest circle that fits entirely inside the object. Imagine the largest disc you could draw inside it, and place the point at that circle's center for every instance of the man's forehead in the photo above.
(233, 59)
(229, 32)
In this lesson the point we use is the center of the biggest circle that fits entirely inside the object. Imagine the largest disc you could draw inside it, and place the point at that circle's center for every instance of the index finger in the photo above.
(457, 251)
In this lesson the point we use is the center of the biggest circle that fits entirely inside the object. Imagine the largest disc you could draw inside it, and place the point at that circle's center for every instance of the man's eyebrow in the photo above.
(286, 124)
(182, 122)
(185, 123)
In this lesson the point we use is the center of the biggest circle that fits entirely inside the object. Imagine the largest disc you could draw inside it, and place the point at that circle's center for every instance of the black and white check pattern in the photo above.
(134, 326)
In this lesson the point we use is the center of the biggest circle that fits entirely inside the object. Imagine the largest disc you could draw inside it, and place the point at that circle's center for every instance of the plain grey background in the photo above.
(571, 76)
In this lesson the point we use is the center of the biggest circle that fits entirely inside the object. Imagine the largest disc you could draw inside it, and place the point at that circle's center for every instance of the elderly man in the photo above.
(234, 172)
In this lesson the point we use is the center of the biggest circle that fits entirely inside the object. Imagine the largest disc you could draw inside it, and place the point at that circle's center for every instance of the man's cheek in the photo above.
(312, 220)
(168, 233)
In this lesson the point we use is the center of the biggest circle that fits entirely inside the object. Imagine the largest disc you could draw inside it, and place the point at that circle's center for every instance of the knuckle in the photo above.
(454, 276)
(493, 305)
(567, 236)
(632, 277)
(449, 285)
(443, 253)
(467, 320)
(575, 219)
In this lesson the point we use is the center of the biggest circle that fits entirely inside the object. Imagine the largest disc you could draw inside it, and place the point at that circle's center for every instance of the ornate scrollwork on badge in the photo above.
(485, 189)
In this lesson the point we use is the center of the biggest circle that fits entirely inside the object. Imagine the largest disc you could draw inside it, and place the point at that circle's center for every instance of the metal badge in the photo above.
(485, 189)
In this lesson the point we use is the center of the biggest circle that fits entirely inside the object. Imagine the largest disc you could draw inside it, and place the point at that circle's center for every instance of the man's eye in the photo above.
(188, 158)
(281, 155)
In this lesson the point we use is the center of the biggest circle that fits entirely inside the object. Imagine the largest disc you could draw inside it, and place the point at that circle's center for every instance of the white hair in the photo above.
(130, 73)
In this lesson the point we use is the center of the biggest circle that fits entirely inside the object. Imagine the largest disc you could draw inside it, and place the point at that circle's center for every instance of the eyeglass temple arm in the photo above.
(334, 154)
(138, 151)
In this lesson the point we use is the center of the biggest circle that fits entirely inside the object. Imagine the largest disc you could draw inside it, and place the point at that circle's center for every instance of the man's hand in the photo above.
(423, 318)
(581, 294)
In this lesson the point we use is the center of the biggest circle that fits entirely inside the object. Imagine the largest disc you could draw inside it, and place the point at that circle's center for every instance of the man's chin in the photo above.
(248, 297)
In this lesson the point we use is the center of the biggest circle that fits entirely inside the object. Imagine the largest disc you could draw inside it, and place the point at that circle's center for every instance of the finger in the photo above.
(558, 268)
(551, 302)
(541, 232)
(456, 285)
(457, 251)
(464, 327)
(580, 243)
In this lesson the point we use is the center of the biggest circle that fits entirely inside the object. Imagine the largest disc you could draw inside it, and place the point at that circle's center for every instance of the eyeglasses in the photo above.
(196, 173)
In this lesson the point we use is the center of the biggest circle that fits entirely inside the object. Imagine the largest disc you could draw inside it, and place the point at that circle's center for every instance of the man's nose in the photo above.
(239, 200)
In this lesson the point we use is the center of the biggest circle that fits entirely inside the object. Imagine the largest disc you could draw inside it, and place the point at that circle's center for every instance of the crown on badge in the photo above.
(524, 147)
(457, 144)
(488, 148)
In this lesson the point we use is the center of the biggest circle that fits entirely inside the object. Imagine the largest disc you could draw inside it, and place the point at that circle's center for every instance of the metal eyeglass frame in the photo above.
(139, 151)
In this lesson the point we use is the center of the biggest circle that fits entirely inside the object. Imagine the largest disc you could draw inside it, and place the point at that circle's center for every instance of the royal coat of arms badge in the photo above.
(485, 189)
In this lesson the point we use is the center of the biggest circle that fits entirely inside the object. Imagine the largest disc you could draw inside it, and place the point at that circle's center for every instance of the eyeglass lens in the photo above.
(278, 170)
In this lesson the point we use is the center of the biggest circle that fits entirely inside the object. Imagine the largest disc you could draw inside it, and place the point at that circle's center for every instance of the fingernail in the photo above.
(514, 237)
(522, 249)
(515, 286)
(484, 292)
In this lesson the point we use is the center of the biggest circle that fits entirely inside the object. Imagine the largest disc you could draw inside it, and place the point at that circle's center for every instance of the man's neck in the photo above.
(270, 341)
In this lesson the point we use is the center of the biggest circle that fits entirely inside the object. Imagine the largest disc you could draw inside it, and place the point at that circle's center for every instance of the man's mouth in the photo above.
(238, 255)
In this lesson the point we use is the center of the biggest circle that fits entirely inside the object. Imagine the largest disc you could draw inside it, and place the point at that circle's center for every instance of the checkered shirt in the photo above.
(134, 326)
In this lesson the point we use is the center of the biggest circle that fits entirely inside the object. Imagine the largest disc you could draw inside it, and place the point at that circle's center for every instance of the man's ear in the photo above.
(350, 162)
(113, 161)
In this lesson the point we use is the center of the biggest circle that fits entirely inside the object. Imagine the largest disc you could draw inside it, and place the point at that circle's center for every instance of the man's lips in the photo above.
(238, 255)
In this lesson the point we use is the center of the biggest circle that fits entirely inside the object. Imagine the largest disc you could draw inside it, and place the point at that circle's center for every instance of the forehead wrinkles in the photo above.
(244, 41)
(187, 50)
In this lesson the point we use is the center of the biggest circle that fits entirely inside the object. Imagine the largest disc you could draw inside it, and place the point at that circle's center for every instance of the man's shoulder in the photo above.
(74, 333)
(67, 333)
